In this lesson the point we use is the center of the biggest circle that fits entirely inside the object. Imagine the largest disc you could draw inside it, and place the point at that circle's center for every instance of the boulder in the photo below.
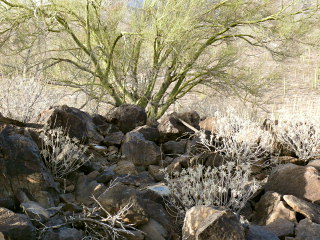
(270, 209)
(171, 128)
(300, 181)
(139, 150)
(307, 230)
(207, 223)
(307, 209)
(114, 138)
(174, 147)
(127, 117)
(150, 133)
(21, 165)
(73, 121)
(16, 226)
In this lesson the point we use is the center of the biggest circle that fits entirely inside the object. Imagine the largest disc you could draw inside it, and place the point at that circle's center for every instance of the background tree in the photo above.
(151, 53)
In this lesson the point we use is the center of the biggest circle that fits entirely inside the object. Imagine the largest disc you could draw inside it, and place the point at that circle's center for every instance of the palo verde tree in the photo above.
(151, 52)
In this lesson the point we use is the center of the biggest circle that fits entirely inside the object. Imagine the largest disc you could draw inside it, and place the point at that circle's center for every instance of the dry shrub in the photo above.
(228, 185)
(24, 97)
(62, 154)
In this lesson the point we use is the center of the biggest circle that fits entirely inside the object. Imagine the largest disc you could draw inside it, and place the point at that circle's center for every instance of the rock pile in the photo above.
(124, 179)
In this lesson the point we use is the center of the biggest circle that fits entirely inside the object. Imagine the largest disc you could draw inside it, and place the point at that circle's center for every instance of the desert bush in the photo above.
(301, 134)
(24, 97)
(62, 154)
(239, 138)
(97, 223)
(228, 185)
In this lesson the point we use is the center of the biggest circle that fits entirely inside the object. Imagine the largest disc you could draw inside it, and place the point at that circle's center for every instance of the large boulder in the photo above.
(16, 226)
(300, 181)
(21, 165)
(207, 223)
(171, 128)
(139, 150)
(73, 121)
(127, 117)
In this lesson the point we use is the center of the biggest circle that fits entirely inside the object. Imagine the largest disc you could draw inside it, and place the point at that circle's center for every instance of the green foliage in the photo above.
(153, 55)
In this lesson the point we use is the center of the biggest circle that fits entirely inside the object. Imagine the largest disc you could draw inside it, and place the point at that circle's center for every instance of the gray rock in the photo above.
(85, 188)
(307, 230)
(75, 122)
(300, 181)
(155, 172)
(308, 209)
(119, 196)
(105, 176)
(255, 232)
(125, 167)
(21, 165)
(139, 150)
(281, 227)
(207, 223)
(127, 117)
(154, 231)
(270, 209)
(174, 147)
(149, 133)
(16, 226)
(113, 139)
(35, 211)
(63, 233)
(171, 128)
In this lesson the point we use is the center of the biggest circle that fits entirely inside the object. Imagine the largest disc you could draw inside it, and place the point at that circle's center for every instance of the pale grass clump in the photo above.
(228, 185)
(301, 133)
(98, 223)
(24, 97)
(62, 154)
(239, 138)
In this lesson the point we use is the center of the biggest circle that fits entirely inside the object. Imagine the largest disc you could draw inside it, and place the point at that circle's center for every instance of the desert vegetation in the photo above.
(92, 145)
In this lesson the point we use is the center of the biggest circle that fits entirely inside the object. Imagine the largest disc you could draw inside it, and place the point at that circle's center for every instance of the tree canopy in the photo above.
(155, 52)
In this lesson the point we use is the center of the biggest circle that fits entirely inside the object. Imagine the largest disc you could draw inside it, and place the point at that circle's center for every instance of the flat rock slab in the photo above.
(308, 209)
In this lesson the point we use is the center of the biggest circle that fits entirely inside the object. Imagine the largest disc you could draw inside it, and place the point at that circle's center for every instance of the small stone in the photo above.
(125, 167)
(154, 231)
(174, 147)
(105, 176)
(155, 172)
(113, 139)
(35, 211)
